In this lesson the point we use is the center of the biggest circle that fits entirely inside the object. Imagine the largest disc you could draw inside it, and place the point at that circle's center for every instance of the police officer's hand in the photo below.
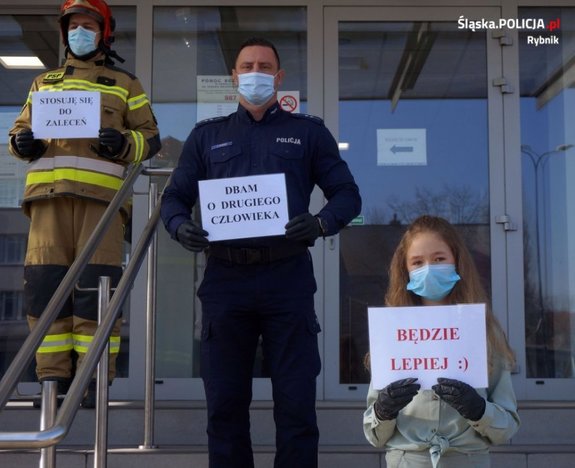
(462, 397)
(395, 397)
(27, 146)
(111, 142)
(304, 227)
(192, 236)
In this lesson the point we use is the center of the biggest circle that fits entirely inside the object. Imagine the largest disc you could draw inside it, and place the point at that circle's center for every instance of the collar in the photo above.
(97, 61)
(272, 113)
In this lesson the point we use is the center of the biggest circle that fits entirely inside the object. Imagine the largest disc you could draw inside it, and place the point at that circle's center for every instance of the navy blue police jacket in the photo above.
(297, 145)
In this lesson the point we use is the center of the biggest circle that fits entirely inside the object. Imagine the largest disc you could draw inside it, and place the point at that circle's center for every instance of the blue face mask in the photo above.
(433, 282)
(81, 41)
(256, 88)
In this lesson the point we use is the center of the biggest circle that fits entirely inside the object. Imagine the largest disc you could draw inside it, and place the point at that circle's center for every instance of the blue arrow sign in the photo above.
(401, 149)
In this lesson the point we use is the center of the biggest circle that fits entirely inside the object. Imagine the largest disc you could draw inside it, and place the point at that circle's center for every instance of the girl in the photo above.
(453, 425)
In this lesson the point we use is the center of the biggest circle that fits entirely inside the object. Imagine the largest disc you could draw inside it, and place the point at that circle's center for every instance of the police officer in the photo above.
(70, 182)
(264, 286)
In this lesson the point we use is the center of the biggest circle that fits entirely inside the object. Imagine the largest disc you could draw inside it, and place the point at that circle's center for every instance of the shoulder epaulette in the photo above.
(221, 118)
(57, 74)
(313, 118)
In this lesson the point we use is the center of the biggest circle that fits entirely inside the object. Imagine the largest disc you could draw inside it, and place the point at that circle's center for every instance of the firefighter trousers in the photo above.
(59, 230)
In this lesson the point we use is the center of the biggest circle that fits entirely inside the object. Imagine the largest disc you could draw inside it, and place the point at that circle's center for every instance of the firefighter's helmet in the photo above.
(97, 9)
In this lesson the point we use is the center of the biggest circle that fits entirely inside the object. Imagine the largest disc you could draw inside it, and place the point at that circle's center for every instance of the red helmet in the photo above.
(97, 9)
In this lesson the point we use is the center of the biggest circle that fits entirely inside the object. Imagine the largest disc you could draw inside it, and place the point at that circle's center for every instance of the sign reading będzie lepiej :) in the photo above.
(241, 207)
(428, 342)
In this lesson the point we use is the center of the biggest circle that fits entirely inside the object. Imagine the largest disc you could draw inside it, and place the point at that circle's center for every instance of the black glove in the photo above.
(111, 142)
(462, 397)
(304, 227)
(27, 146)
(395, 397)
(192, 236)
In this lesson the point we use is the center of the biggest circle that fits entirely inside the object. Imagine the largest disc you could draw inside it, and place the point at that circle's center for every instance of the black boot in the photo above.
(89, 400)
(63, 387)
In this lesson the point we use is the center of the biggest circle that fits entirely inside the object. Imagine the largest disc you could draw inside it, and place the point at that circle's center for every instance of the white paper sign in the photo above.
(216, 95)
(241, 207)
(66, 114)
(428, 342)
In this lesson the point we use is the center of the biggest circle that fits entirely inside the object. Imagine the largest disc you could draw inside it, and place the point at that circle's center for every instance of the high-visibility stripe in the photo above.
(83, 342)
(49, 177)
(114, 344)
(139, 144)
(85, 85)
(78, 162)
(56, 343)
(138, 101)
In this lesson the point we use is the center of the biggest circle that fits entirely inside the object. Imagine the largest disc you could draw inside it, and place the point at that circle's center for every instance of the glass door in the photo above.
(410, 94)
(547, 156)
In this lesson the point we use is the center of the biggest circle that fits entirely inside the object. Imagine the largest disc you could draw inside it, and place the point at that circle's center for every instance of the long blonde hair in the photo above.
(468, 290)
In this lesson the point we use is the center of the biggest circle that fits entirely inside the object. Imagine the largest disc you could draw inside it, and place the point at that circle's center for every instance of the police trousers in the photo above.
(59, 229)
(240, 304)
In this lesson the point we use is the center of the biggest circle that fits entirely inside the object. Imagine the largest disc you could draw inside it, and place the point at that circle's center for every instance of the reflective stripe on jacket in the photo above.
(71, 167)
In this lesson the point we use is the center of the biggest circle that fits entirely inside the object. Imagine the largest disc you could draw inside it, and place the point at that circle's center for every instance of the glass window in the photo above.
(194, 53)
(403, 87)
(547, 74)
(12, 249)
(22, 35)
(11, 305)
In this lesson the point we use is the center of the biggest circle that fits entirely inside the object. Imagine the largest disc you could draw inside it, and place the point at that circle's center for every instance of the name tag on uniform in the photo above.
(242, 207)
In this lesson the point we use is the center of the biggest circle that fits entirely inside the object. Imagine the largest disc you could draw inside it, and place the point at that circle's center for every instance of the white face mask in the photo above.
(81, 41)
(256, 88)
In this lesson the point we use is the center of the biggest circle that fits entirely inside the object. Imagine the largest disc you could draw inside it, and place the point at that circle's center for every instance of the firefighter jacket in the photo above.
(72, 166)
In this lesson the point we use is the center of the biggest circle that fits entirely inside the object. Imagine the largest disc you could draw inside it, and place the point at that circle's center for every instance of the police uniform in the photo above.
(67, 191)
(261, 286)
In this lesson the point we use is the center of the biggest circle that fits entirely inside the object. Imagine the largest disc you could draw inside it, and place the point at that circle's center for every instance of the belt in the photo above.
(255, 256)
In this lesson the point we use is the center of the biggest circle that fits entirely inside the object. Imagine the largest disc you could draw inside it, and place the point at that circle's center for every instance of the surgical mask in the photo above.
(256, 88)
(433, 282)
(81, 41)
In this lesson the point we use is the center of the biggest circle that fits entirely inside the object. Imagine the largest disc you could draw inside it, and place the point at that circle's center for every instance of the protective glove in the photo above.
(304, 227)
(462, 397)
(111, 142)
(395, 397)
(192, 236)
(27, 146)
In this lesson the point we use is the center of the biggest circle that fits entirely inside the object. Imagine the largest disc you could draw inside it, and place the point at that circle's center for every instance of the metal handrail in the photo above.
(150, 369)
(54, 434)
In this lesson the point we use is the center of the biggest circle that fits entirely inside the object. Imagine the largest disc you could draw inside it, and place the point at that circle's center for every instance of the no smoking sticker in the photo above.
(289, 100)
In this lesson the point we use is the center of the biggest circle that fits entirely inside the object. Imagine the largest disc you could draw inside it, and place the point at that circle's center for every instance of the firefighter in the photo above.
(70, 182)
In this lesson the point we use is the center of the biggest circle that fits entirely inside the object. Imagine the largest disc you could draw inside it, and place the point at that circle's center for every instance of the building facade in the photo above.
(464, 109)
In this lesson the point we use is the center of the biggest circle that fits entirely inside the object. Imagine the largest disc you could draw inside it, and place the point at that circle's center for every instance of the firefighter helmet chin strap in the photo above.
(112, 54)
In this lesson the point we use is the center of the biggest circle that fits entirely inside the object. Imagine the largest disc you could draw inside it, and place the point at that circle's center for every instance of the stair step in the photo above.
(546, 437)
